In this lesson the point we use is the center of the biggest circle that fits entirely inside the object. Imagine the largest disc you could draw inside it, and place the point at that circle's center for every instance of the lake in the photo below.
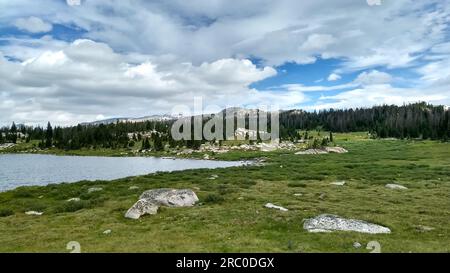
(33, 169)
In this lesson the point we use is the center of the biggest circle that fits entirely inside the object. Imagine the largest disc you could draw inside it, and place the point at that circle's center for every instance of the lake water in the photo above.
(32, 169)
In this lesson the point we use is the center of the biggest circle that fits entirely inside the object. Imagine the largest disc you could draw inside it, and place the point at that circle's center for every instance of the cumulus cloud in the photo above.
(137, 57)
(33, 25)
(333, 77)
(373, 77)
(86, 79)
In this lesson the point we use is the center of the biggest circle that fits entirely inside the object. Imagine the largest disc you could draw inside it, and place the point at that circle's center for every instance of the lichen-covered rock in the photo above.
(141, 207)
(171, 197)
(329, 223)
(151, 200)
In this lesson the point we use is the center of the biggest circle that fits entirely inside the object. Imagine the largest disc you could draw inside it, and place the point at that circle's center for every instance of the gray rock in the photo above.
(272, 206)
(140, 208)
(396, 187)
(329, 223)
(171, 197)
(94, 189)
(151, 200)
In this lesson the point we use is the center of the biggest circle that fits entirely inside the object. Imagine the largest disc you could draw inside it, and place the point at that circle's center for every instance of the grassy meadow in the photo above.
(231, 217)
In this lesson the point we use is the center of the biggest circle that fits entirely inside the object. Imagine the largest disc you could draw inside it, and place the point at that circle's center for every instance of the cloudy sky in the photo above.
(69, 61)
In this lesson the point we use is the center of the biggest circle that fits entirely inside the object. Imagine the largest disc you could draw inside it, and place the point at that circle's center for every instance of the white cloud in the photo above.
(73, 2)
(33, 25)
(333, 77)
(86, 79)
(373, 77)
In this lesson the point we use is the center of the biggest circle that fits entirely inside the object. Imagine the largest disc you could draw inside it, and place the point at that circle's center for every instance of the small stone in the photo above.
(272, 206)
(94, 189)
(357, 245)
(338, 183)
(298, 194)
(108, 231)
(35, 213)
(131, 188)
(396, 187)
(75, 199)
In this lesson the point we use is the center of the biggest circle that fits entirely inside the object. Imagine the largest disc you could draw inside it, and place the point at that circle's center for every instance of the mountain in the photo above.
(141, 119)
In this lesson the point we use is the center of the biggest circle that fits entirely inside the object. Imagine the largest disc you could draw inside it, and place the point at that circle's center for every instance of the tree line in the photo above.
(419, 120)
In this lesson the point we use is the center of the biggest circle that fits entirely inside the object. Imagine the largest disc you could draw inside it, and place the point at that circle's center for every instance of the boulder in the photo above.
(272, 206)
(141, 207)
(396, 187)
(329, 223)
(171, 197)
(151, 200)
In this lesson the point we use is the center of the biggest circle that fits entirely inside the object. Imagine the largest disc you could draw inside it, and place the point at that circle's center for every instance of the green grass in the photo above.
(230, 216)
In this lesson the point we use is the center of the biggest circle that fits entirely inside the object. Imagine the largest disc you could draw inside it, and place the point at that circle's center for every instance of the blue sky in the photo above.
(71, 61)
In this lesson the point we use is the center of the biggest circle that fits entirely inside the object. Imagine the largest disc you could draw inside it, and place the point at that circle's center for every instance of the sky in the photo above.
(71, 61)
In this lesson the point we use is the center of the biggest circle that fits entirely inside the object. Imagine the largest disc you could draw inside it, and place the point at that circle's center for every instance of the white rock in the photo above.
(338, 183)
(298, 194)
(328, 222)
(75, 199)
(171, 197)
(151, 200)
(272, 206)
(357, 245)
(396, 187)
(108, 231)
(141, 207)
(133, 188)
(91, 190)
(32, 212)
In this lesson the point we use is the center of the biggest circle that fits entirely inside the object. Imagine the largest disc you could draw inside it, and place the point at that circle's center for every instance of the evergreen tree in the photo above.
(48, 135)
